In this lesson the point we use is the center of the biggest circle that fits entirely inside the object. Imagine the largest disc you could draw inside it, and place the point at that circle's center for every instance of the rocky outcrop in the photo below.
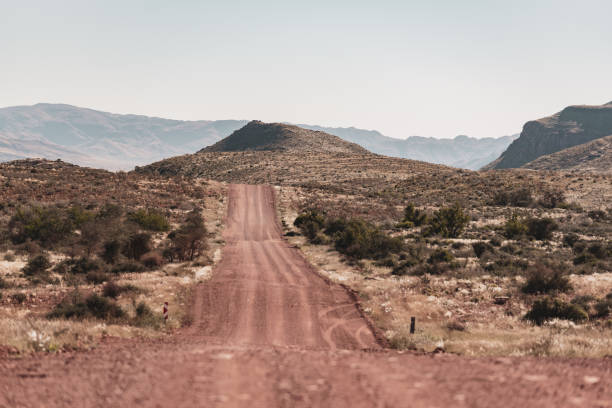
(573, 126)
(594, 156)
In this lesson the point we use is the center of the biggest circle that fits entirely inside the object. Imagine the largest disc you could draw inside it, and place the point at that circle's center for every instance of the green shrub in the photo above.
(47, 225)
(413, 217)
(150, 219)
(548, 309)
(310, 223)
(584, 301)
(145, 317)
(19, 297)
(552, 199)
(111, 290)
(404, 267)
(152, 260)
(585, 258)
(109, 212)
(189, 240)
(96, 277)
(37, 265)
(603, 308)
(481, 247)
(448, 222)
(83, 266)
(111, 251)
(515, 227)
(599, 250)
(359, 239)
(129, 266)
(102, 308)
(79, 216)
(137, 245)
(570, 239)
(543, 279)
(541, 228)
(521, 197)
(75, 307)
(440, 255)
(597, 215)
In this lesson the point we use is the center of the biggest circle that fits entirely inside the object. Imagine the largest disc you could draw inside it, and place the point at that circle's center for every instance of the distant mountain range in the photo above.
(462, 151)
(112, 141)
(100, 139)
(563, 141)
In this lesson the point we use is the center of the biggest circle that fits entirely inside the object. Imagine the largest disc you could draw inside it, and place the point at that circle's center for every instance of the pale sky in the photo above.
(428, 68)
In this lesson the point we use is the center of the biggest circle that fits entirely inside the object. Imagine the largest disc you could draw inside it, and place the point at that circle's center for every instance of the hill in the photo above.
(595, 156)
(259, 136)
(100, 139)
(572, 126)
(374, 182)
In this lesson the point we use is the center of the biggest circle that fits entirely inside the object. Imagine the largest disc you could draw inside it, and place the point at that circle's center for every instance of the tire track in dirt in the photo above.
(276, 295)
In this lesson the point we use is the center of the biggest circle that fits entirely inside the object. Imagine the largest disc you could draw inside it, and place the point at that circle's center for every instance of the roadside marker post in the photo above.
(412, 324)
(165, 311)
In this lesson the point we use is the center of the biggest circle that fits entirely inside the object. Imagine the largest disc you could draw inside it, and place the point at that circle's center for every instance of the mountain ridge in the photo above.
(594, 156)
(119, 142)
(572, 126)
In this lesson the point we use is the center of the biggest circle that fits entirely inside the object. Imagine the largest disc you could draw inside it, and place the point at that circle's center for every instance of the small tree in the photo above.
(514, 227)
(37, 266)
(449, 222)
(150, 219)
(542, 279)
(190, 239)
(541, 228)
(413, 216)
(111, 251)
(310, 223)
(137, 245)
(91, 235)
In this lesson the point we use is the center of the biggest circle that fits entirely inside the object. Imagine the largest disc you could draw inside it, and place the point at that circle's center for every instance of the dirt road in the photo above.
(269, 332)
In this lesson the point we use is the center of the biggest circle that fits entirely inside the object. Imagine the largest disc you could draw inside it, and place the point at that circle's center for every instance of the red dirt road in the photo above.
(269, 332)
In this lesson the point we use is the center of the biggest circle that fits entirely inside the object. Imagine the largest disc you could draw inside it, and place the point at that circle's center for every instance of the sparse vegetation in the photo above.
(448, 222)
(543, 279)
(413, 217)
(551, 308)
(541, 228)
(150, 219)
(63, 226)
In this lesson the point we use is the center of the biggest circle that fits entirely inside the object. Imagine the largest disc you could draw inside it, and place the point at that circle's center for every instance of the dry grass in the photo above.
(24, 304)
(459, 312)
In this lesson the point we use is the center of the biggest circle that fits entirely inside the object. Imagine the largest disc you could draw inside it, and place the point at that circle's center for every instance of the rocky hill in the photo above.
(111, 141)
(572, 126)
(594, 156)
(259, 136)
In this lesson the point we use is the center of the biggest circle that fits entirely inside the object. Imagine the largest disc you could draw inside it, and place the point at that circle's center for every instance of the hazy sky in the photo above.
(430, 68)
